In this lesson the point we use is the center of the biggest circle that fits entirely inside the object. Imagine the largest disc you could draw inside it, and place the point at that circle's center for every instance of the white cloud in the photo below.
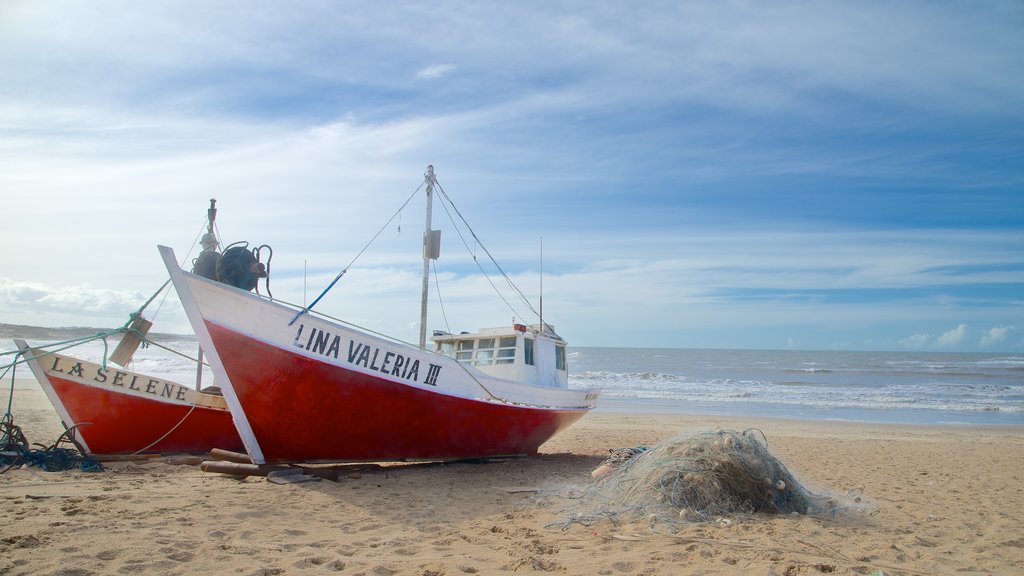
(74, 301)
(309, 140)
(435, 71)
(953, 337)
(996, 335)
(916, 341)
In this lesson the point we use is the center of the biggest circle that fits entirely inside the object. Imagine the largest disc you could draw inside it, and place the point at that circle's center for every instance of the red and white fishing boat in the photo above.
(303, 387)
(114, 411)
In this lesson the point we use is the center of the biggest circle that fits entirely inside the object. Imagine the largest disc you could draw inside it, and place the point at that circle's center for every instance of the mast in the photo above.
(431, 251)
(211, 215)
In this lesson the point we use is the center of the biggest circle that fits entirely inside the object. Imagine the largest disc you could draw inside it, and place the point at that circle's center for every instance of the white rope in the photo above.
(158, 440)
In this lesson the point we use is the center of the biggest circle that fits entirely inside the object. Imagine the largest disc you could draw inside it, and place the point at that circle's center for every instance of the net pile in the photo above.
(696, 478)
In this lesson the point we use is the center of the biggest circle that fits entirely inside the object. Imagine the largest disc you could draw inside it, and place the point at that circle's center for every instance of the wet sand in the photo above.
(935, 500)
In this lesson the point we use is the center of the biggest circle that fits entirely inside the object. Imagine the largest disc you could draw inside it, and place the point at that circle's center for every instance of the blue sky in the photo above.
(812, 175)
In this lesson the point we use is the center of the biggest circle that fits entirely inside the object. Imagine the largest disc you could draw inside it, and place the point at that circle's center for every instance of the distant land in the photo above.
(69, 332)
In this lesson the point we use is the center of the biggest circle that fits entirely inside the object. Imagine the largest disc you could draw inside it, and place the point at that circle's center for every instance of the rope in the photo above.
(481, 384)
(173, 351)
(71, 343)
(131, 317)
(13, 369)
(306, 309)
(168, 433)
(472, 252)
(437, 289)
(448, 201)
(266, 281)
(15, 451)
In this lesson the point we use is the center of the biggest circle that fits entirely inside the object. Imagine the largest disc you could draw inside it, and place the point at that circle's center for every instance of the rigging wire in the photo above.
(476, 261)
(437, 289)
(476, 239)
(486, 251)
(195, 242)
(397, 214)
(447, 201)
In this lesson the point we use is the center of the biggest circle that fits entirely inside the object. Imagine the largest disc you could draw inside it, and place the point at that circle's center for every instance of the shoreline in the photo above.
(804, 414)
(934, 500)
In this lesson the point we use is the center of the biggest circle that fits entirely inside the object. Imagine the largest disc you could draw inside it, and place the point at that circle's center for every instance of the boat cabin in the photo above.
(518, 352)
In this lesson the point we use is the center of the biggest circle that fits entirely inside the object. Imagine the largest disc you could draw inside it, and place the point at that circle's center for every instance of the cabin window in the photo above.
(528, 351)
(484, 352)
(506, 350)
(465, 353)
(560, 357)
(446, 348)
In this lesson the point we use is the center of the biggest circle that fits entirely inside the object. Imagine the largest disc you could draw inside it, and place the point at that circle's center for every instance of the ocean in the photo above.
(884, 387)
(891, 387)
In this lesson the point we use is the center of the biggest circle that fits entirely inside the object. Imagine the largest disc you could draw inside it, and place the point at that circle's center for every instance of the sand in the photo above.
(935, 500)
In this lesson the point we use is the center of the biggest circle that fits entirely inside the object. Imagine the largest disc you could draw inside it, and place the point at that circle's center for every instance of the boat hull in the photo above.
(124, 412)
(304, 409)
(315, 390)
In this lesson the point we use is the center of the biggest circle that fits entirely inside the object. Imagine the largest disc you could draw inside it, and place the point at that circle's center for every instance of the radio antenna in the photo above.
(542, 330)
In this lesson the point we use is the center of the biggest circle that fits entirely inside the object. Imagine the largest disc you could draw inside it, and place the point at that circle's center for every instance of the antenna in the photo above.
(542, 330)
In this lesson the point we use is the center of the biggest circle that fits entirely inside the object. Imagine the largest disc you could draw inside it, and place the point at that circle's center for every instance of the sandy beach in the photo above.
(934, 500)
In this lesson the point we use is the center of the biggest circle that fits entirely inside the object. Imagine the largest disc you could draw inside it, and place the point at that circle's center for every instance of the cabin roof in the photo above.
(513, 330)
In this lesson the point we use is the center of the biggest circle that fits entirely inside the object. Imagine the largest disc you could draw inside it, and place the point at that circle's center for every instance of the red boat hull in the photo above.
(125, 424)
(301, 409)
(117, 411)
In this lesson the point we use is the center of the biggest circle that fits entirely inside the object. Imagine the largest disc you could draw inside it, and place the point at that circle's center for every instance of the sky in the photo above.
(777, 175)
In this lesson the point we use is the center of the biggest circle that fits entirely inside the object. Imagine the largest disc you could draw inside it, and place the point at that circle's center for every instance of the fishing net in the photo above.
(695, 478)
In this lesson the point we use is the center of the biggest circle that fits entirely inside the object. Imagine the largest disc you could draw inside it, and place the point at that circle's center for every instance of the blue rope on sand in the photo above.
(15, 451)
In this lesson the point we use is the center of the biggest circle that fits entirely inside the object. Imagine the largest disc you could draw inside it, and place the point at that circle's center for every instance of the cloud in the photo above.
(80, 300)
(435, 71)
(996, 335)
(674, 156)
(916, 341)
(953, 337)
